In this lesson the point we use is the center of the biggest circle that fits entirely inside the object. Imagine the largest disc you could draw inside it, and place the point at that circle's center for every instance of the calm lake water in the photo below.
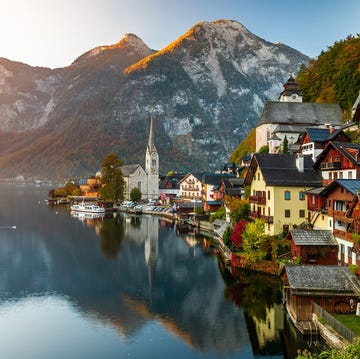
(126, 288)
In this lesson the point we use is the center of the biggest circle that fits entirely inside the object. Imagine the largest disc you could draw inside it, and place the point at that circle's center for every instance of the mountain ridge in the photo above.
(205, 90)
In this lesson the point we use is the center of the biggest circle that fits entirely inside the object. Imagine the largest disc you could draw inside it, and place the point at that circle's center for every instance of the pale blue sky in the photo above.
(54, 33)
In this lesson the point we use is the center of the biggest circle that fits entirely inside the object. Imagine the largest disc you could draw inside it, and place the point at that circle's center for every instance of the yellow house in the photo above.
(277, 189)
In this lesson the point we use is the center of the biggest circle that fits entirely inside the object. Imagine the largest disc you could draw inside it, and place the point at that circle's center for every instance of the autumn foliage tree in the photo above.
(236, 234)
(112, 178)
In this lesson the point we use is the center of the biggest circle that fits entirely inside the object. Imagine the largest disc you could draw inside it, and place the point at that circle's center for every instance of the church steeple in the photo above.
(152, 156)
(291, 92)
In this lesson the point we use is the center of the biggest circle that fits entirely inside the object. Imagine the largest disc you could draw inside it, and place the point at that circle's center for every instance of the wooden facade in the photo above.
(333, 288)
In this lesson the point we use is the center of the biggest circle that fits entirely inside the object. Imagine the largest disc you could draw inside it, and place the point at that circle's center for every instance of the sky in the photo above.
(53, 33)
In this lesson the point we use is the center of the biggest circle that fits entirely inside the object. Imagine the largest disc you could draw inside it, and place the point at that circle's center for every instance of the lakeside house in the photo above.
(313, 247)
(277, 189)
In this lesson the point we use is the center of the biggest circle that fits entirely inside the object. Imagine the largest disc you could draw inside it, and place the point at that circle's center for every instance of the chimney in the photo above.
(300, 162)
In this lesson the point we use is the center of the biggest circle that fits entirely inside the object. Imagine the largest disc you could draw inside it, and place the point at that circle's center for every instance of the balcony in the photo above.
(266, 219)
(257, 199)
(334, 165)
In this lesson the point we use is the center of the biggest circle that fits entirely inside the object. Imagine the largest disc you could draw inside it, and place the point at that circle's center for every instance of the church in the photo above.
(290, 117)
(146, 180)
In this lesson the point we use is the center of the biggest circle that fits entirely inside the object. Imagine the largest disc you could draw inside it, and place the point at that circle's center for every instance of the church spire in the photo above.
(151, 142)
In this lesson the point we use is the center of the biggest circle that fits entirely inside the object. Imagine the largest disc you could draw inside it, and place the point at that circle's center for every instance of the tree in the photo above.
(236, 234)
(254, 238)
(135, 194)
(285, 148)
(239, 208)
(112, 178)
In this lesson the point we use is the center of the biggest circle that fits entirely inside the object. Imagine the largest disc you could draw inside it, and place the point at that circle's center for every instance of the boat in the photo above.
(87, 207)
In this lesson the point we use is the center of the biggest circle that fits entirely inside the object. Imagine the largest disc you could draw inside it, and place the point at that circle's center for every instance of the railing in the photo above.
(344, 331)
(257, 199)
(266, 219)
(333, 165)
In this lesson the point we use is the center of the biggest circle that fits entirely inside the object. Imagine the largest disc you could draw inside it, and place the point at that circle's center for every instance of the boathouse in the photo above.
(334, 288)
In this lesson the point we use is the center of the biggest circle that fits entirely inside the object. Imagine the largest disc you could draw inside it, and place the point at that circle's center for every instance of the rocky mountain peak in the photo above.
(130, 44)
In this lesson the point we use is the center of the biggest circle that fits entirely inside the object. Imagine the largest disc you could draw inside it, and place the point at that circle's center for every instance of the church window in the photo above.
(139, 186)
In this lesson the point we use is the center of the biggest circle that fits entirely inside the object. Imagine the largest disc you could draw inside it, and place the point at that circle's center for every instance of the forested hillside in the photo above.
(334, 77)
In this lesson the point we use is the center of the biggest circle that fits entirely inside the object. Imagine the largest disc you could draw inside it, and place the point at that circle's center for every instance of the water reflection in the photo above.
(143, 287)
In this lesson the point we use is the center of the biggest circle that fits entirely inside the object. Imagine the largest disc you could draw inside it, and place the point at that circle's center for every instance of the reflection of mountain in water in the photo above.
(127, 275)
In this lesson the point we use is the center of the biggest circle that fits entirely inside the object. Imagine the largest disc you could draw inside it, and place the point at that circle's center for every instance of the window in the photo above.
(340, 175)
(301, 195)
(287, 196)
(269, 195)
(287, 213)
(139, 186)
(330, 176)
(349, 175)
(258, 176)
(302, 213)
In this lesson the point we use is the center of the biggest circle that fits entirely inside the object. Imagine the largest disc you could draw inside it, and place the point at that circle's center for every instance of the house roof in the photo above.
(314, 114)
(281, 170)
(323, 134)
(351, 185)
(349, 150)
(307, 279)
(303, 237)
(215, 178)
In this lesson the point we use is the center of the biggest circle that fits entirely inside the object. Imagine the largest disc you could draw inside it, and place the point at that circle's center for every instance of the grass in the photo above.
(350, 320)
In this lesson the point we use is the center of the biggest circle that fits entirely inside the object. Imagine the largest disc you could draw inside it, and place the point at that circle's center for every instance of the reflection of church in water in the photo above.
(148, 235)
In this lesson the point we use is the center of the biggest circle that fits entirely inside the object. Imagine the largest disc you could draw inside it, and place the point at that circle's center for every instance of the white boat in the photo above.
(87, 207)
(82, 216)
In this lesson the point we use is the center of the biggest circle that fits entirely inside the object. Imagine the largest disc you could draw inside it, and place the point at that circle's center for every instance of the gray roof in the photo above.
(281, 170)
(313, 114)
(128, 170)
(307, 279)
(303, 237)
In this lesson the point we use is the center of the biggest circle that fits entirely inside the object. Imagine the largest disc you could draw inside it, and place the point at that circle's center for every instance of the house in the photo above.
(91, 186)
(343, 211)
(169, 187)
(277, 189)
(334, 288)
(290, 117)
(314, 140)
(339, 160)
(313, 246)
(190, 187)
(211, 183)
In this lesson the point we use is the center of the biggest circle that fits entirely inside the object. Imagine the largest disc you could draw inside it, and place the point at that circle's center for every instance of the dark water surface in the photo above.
(125, 288)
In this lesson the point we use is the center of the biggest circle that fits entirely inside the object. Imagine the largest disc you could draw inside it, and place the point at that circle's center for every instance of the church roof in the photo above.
(128, 170)
(301, 113)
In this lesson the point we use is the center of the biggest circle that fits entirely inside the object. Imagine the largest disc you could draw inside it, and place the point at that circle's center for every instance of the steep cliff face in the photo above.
(205, 91)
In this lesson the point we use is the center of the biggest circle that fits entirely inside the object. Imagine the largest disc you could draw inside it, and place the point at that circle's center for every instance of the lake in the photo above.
(126, 287)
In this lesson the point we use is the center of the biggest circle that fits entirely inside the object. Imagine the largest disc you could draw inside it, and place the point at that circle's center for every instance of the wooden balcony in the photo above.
(266, 219)
(257, 199)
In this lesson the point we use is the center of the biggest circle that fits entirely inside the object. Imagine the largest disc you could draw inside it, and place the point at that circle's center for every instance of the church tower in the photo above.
(152, 165)
(291, 92)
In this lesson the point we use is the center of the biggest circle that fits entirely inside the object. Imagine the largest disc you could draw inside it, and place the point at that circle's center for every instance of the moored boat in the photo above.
(87, 207)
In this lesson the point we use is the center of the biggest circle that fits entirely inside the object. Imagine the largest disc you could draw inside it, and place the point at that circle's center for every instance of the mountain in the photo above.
(205, 91)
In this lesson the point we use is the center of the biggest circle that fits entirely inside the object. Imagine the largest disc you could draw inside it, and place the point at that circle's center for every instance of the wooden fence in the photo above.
(344, 331)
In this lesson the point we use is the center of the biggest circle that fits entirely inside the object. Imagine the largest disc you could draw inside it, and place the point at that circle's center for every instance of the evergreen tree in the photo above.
(285, 148)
